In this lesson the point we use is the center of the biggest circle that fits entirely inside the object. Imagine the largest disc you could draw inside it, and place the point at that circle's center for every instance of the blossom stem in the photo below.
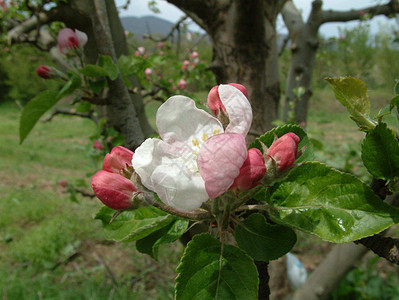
(200, 215)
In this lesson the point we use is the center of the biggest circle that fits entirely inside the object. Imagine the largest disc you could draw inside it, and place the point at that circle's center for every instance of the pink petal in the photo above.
(64, 39)
(116, 161)
(220, 160)
(238, 109)
(251, 172)
(114, 190)
(284, 151)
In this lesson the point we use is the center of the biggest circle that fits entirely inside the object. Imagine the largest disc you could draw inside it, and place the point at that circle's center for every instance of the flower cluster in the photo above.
(68, 40)
(200, 156)
(113, 185)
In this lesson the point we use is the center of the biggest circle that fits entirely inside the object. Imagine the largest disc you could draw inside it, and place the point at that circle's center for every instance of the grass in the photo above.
(50, 247)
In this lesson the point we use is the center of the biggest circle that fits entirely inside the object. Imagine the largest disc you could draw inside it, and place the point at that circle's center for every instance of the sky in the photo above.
(139, 8)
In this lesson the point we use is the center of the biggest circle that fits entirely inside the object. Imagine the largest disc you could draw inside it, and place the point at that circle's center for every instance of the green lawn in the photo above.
(51, 247)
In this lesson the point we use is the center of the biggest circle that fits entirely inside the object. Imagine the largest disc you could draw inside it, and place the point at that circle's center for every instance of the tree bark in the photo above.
(304, 49)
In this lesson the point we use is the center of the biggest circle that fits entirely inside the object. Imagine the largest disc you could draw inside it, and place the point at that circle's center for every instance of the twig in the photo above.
(170, 34)
(68, 112)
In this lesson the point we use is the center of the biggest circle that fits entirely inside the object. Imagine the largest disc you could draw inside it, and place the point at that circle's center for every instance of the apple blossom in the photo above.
(118, 160)
(185, 65)
(182, 84)
(114, 190)
(197, 158)
(283, 152)
(98, 145)
(148, 72)
(252, 171)
(44, 72)
(194, 55)
(69, 39)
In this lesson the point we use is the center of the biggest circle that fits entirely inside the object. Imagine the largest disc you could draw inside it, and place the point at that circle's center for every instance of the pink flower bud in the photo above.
(194, 55)
(182, 84)
(119, 159)
(185, 65)
(251, 172)
(98, 145)
(161, 45)
(44, 72)
(137, 53)
(283, 152)
(148, 72)
(214, 102)
(114, 190)
(69, 39)
(62, 182)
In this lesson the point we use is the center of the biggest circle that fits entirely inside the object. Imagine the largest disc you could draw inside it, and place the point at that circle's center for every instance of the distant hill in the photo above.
(145, 25)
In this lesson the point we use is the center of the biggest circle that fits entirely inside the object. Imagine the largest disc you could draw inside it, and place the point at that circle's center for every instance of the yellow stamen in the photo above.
(216, 131)
(195, 142)
(205, 137)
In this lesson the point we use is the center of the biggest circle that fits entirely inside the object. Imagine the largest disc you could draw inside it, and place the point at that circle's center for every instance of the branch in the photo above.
(68, 112)
(121, 111)
(170, 34)
(356, 14)
(292, 18)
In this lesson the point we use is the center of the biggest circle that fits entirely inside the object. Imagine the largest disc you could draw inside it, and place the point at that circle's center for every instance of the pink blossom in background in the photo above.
(127, 32)
(98, 145)
(194, 55)
(44, 72)
(185, 65)
(6, 49)
(62, 182)
(3, 5)
(148, 72)
(69, 39)
(161, 45)
(182, 84)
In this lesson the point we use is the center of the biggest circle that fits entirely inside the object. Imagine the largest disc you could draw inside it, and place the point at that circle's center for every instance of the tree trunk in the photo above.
(76, 14)
(244, 46)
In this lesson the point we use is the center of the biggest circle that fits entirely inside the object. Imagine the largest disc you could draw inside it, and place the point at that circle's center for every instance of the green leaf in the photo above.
(98, 85)
(396, 88)
(268, 139)
(107, 63)
(34, 110)
(132, 65)
(209, 270)
(380, 152)
(352, 93)
(73, 83)
(264, 241)
(150, 244)
(93, 71)
(132, 225)
(395, 102)
(333, 205)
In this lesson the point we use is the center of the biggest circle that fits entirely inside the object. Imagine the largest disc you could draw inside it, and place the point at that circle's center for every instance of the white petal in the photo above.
(170, 172)
(179, 121)
(176, 187)
(150, 154)
(238, 109)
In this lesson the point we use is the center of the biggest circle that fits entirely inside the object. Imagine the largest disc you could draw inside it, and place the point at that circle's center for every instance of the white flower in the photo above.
(184, 167)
